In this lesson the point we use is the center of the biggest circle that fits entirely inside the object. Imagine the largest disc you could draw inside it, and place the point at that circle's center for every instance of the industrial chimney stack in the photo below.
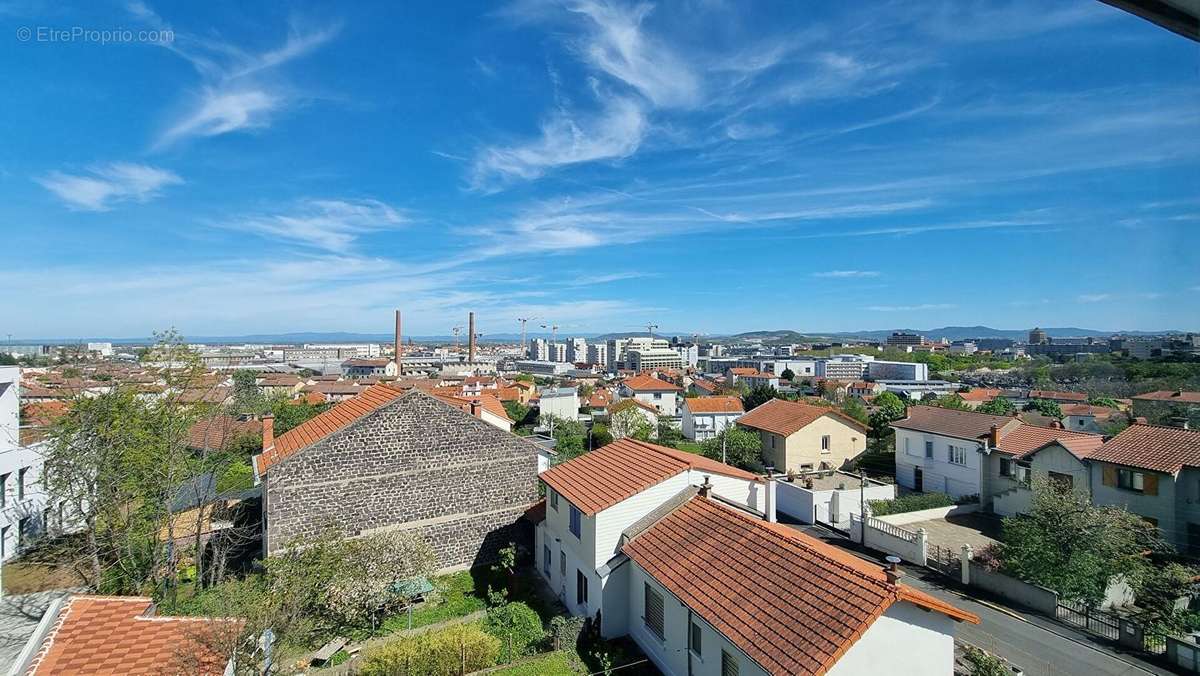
(399, 347)
(471, 337)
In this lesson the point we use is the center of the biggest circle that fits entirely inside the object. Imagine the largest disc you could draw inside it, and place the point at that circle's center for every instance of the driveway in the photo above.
(952, 532)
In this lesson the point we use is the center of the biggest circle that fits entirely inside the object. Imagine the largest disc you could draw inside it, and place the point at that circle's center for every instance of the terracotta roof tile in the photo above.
(215, 432)
(1024, 439)
(122, 635)
(788, 417)
(714, 405)
(1053, 394)
(600, 479)
(1171, 395)
(795, 606)
(648, 383)
(1152, 447)
(336, 418)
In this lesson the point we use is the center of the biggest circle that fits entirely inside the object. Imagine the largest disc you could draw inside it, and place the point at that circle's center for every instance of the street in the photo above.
(1036, 644)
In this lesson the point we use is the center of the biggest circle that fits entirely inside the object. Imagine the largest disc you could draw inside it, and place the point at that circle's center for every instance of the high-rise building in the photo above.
(577, 350)
(597, 354)
(1037, 337)
(539, 349)
(558, 352)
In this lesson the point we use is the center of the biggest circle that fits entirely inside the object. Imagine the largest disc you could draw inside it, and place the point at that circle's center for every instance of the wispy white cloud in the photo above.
(741, 131)
(103, 186)
(1093, 297)
(565, 139)
(589, 280)
(911, 308)
(847, 274)
(240, 90)
(328, 225)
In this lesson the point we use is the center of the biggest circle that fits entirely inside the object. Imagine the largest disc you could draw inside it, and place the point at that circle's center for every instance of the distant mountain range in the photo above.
(775, 336)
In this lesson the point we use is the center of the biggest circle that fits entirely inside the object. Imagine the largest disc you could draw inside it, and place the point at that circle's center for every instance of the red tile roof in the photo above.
(788, 417)
(742, 371)
(1171, 395)
(794, 604)
(1152, 447)
(1052, 394)
(1023, 440)
(714, 405)
(648, 383)
(215, 432)
(600, 479)
(980, 394)
(325, 424)
(1088, 409)
(43, 413)
(951, 423)
(122, 635)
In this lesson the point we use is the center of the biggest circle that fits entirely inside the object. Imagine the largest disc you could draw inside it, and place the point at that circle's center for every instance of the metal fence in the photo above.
(1095, 621)
(945, 561)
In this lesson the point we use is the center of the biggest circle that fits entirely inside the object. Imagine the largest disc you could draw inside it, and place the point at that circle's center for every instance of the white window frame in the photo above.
(826, 443)
(956, 455)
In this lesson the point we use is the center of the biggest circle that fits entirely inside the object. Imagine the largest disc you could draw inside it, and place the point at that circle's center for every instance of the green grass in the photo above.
(560, 663)
(457, 596)
(689, 446)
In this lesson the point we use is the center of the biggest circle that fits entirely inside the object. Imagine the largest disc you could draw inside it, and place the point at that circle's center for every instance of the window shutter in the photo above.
(1150, 484)
(1110, 475)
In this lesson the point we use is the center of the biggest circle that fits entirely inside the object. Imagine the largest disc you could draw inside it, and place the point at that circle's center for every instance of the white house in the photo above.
(705, 417)
(672, 550)
(23, 513)
(650, 390)
(562, 402)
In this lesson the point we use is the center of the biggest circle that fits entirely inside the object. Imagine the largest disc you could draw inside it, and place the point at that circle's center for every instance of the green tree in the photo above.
(518, 627)
(998, 406)
(668, 434)
(570, 436)
(7, 359)
(626, 420)
(1046, 407)
(289, 414)
(854, 408)
(517, 412)
(787, 375)
(1074, 547)
(888, 408)
(951, 401)
(600, 435)
(735, 446)
(1107, 402)
(761, 394)
(247, 395)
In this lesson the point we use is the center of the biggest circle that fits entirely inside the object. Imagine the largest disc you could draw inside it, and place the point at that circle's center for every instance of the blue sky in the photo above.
(598, 165)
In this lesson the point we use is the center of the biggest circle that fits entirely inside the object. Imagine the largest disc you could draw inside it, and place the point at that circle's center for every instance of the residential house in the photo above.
(1153, 471)
(1018, 458)
(1088, 418)
(1169, 407)
(23, 514)
(978, 396)
(334, 391)
(628, 527)
(863, 389)
(760, 379)
(562, 402)
(125, 635)
(217, 432)
(389, 459)
(941, 450)
(735, 374)
(703, 388)
(705, 417)
(650, 390)
(1060, 397)
(798, 437)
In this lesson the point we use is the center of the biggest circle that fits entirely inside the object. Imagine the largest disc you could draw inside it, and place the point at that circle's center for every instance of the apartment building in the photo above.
(23, 512)
(647, 359)
(597, 354)
(577, 351)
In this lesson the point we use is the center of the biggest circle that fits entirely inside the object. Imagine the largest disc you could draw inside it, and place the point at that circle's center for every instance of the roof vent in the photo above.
(893, 571)
(706, 487)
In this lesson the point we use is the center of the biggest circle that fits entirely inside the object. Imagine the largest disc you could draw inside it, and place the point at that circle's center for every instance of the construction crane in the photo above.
(456, 330)
(553, 332)
(524, 320)
(650, 328)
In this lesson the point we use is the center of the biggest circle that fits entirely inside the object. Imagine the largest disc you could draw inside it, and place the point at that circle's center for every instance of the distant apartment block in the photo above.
(900, 338)
(597, 353)
(897, 370)
(577, 350)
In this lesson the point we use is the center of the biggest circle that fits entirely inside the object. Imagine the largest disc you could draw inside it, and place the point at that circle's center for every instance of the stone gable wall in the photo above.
(415, 463)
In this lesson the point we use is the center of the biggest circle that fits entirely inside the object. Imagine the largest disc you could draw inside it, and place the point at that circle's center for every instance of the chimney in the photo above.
(399, 347)
(994, 437)
(706, 487)
(769, 499)
(268, 434)
(476, 408)
(893, 571)
(471, 337)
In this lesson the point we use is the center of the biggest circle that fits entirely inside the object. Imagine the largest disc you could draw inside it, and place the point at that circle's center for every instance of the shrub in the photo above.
(459, 649)
(984, 663)
(518, 627)
(565, 631)
(910, 503)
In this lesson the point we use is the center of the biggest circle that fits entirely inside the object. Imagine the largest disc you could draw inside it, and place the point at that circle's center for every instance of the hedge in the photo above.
(910, 503)
(518, 627)
(456, 650)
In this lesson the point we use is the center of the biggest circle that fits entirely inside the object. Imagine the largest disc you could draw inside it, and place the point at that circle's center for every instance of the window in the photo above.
(956, 455)
(580, 588)
(825, 443)
(1061, 482)
(928, 449)
(907, 450)
(554, 499)
(1006, 467)
(21, 483)
(576, 517)
(1024, 473)
(3, 489)
(1130, 480)
(547, 559)
(3, 542)
(22, 533)
(562, 567)
(654, 611)
(697, 645)
(729, 664)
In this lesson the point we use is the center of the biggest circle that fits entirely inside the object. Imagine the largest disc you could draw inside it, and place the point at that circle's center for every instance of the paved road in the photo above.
(1038, 645)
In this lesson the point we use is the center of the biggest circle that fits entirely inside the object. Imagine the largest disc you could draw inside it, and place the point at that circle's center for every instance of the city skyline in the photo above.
(599, 166)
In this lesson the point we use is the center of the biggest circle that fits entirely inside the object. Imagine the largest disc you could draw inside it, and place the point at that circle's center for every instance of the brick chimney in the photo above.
(268, 434)
(471, 337)
(706, 487)
(994, 436)
(893, 571)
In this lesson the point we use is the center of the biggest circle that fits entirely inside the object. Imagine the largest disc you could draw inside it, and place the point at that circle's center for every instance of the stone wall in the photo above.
(416, 463)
